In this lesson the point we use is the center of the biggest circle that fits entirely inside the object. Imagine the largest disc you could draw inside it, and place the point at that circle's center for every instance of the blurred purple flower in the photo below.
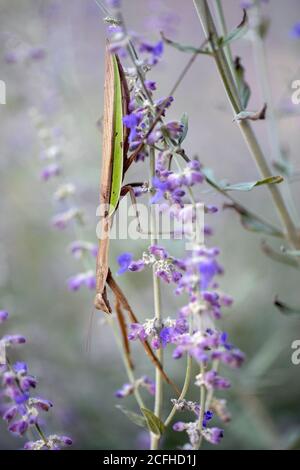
(295, 31)
(3, 315)
(124, 261)
(50, 171)
(21, 411)
(87, 279)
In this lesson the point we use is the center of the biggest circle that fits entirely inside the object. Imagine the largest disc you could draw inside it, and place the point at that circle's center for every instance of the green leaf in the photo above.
(253, 223)
(185, 122)
(155, 425)
(243, 87)
(247, 186)
(237, 32)
(117, 170)
(279, 257)
(184, 47)
(136, 418)
(285, 309)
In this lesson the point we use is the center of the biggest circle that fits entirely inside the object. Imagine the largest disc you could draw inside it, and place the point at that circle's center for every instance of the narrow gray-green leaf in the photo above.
(136, 418)
(237, 32)
(243, 87)
(155, 425)
(245, 186)
(253, 223)
(286, 309)
(248, 186)
(279, 257)
(185, 123)
(184, 47)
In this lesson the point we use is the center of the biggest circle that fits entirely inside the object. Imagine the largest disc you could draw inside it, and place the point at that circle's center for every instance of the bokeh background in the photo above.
(66, 87)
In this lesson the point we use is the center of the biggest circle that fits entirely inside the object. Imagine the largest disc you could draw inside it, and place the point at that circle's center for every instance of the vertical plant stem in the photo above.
(263, 79)
(158, 402)
(223, 29)
(210, 393)
(128, 369)
(187, 381)
(202, 406)
(210, 31)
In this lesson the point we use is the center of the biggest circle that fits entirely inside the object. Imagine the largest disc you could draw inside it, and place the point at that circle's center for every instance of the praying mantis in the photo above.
(115, 163)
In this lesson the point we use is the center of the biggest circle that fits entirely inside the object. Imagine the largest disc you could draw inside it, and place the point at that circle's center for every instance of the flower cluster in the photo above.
(21, 410)
(212, 435)
(121, 39)
(25, 54)
(295, 32)
(195, 275)
(69, 214)
(192, 332)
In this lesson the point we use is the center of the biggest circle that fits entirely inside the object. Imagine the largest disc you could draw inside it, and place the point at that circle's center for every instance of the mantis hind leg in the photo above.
(124, 332)
(124, 302)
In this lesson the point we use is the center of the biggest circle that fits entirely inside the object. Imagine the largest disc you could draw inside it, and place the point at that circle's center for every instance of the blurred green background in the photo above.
(67, 89)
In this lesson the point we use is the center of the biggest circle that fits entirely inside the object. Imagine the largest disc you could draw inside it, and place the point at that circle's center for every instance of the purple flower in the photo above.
(158, 251)
(136, 266)
(213, 435)
(208, 415)
(136, 331)
(115, 4)
(164, 103)
(295, 31)
(50, 171)
(165, 336)
(11, 57)
(150, 85)
(124, 261)
(13, 339)
(18, 427)
(37, 54)
(208, 268)
(61, 221)
(20, 368)
(86, 279)
(213, 381)
(148, 383)
(233, 358)
(132, 120)
(3, 315)
(53, 442)
(78, 248)
(155, 50)
(41, 403)
(179, 426)
(125, 391)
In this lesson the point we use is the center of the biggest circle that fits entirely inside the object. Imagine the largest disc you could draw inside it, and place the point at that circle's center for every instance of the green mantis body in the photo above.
(114, 152)
(115, 163)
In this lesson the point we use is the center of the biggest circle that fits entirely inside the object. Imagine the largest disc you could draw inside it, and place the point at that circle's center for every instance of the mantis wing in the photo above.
(118, 140)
